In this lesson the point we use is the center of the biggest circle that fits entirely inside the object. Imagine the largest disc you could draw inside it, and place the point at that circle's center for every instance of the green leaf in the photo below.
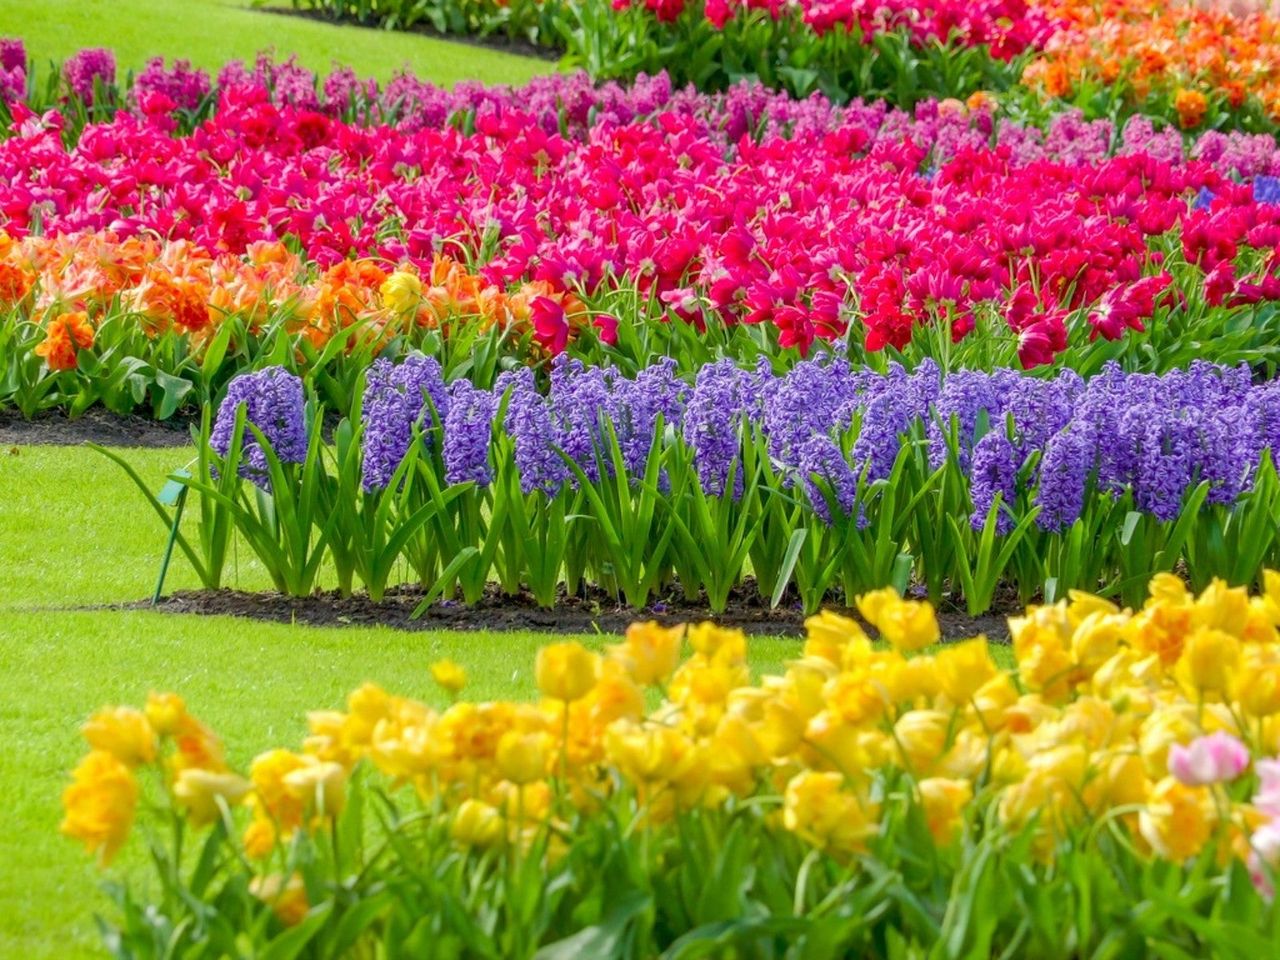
(293, 941)
(604, 940)
(789, 560)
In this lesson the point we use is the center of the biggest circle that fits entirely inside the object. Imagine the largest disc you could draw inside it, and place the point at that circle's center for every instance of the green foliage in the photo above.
(610, 883)
(641, 537)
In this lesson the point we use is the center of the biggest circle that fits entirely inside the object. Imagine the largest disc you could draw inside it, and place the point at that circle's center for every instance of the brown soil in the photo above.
(593, 614)
(55, 428)
(498, 42)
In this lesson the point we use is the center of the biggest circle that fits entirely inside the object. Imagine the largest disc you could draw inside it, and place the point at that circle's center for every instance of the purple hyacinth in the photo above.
(397, 398)
(1068, 461)
(580, 400)
(1264, 409)
(815, 396)
(1229, 447)
(713, 422)
(820, 459)
(1166, 462)
(468, 428)
(655, 392)
(884, 422)
(274, 403)
(965, 396)
(1040, 408)
(994, 471)
(82, 69)
(1266, 189)
(528, 423)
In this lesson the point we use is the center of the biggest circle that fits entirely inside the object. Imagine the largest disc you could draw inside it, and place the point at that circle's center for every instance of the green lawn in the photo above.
(211, 32)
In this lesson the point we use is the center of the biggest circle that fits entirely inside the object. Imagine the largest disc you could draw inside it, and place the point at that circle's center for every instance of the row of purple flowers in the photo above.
(1027, 458)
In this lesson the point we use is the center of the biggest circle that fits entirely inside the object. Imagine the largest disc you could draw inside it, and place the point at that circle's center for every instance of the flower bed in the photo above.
(784, 224)
(1200, 65)
(822, 483)
(1115, 790)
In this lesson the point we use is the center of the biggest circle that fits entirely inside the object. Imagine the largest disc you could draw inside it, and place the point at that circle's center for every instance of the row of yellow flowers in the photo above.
(1160, 719)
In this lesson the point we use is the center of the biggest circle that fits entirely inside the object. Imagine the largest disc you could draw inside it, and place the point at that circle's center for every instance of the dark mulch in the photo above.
(593, 614)
(502, 44)
(55, 428)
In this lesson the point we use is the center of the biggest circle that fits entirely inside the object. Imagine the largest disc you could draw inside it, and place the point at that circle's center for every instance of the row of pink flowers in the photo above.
(809, 227)
(1008, 27)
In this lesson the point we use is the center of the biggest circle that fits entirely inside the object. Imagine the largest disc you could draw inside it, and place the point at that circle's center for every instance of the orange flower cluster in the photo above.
(71, 284)
(1192, 53)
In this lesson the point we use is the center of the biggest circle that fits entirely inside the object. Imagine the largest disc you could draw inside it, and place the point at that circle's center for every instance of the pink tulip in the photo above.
(809, 218)
(1217, 758)
(1264, 858)
(1267, 799)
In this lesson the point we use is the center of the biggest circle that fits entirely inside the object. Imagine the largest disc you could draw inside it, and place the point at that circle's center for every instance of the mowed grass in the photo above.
(210, 33)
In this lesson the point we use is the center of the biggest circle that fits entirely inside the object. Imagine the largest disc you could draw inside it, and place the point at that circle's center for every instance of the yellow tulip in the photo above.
(1271, 595)
(1081, 605)
(1177, 820)
(449, 676)
(1209, 660)
(855, 697)
(319, 784)
(1160, 629)
(287, 898)
(523, 757)
(476, 824)
(829, 634)
(1167, 588)
(1256, 685)
(718, 643)
(1096, 639)
(921, 736)
(817, 808)
(1166, 726)
(737, 751)
(1224, 608)
(99, 804)
(963, 668)
(944, 801)
(198, 792)
(851, 750)
(650, 653)
(1119, 779)
(123, 732)
(401, 292)
(993, 699)
(260, 838)
(566, 671)
(908, 681)
(648, 753)
(165, 712)
(906, 624)
(268, 772)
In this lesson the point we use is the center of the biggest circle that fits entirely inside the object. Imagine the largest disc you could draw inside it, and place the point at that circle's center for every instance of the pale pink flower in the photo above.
(1267, 799)
(1264, 859)
(1216, 758)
